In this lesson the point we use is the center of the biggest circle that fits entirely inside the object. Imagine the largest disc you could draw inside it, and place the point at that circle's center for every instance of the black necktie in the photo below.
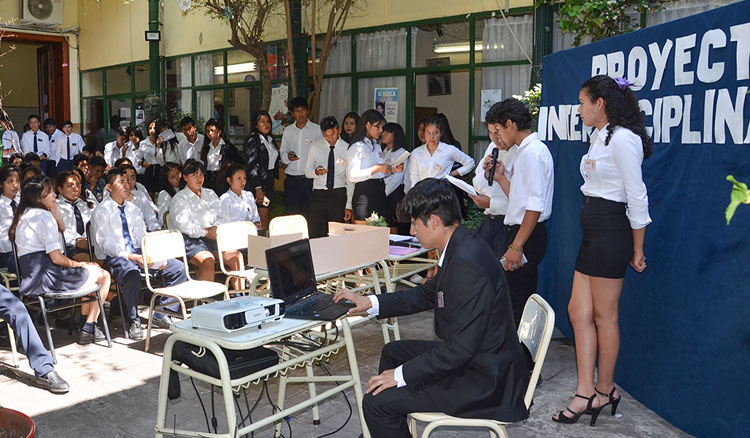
(36, 148)
(79, 218)
(13, 205)
(68, 157)
(331, 169)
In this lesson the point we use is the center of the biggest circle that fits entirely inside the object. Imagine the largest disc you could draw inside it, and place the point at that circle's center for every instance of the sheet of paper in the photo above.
(400, 238)
(401, 158)
(461, 184)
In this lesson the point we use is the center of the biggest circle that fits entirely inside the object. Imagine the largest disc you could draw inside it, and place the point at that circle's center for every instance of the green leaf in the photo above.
(740, 195)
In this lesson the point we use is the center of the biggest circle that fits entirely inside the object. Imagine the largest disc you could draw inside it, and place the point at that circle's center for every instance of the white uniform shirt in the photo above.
(498, 198)
(115, 154)
(394, 180)
(68, 216)
(37, 231)
(167, 155)
(143, 201)
(213, 156)
(191, 215)
(422, 165)
(318, 156)
(273, 153)
(59, 145)
(54, 141)
(298, 141)
(146, 152)
(6, 219)
(42, 141)
(531, 181)
(162, 205)
(613, 172)
(361, 156)
(187, 150)
(11, 143)
(108, 238)
(238, 208)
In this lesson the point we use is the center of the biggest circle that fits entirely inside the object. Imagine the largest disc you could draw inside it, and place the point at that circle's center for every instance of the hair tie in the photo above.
(623, 83)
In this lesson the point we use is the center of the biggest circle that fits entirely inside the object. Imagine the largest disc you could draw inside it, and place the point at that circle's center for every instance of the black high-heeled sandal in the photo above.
(612, 400)
(576, 415)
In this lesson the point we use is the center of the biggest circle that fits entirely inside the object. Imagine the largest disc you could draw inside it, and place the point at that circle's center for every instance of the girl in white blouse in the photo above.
(614, 219)
(366, 167)
(43, 267)
(146, 158)
(171, 176)
(435, 158)
(394, 142)
(237, 204)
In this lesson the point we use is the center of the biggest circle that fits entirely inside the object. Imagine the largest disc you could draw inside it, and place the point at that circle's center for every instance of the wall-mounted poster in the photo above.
(489, 98)
(278, 109)
(386, 103)
(438, 83)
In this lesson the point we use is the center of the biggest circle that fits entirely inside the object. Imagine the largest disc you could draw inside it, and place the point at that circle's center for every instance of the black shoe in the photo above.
(85, 338)
(161, 321)
(53, 383)
(134, 330)
(590, 409)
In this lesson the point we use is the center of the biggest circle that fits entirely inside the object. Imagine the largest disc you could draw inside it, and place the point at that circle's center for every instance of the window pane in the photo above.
(381, 50)
(241, 67)
(209, 69)
(277, 61)
(211, 105)
(498, 42)
(120, 113)
(498, 83)
(118, 80)
(91, 83)
(442, 40)
(340, 56)
(447, 93)
(179, 72)
(92, 125)
(142, 79)
(178, 103)
(243, 102)
(367, 94)
(336, 98)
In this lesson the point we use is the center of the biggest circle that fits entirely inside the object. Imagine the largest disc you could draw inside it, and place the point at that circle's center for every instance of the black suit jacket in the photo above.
(256, 164)
(479, 369)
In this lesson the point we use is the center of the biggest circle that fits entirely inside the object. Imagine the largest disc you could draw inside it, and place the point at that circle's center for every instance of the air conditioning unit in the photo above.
(44, 12)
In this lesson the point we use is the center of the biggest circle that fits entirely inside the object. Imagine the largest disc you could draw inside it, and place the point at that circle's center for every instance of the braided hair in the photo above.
(621, 108)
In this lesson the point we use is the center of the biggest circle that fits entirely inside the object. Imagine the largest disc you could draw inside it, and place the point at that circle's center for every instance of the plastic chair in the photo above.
(535, 331)
(163, 245)
(233, 237)
(292, 224)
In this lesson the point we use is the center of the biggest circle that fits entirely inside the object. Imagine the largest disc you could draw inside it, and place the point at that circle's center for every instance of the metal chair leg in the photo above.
(50, 343)
(13, 349)
(104, 319)
(122, 312)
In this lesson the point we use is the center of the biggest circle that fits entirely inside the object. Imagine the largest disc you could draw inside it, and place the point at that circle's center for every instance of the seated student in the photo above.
(32, 159)
(81, 162)
(10, 182)
(141, 199)
(29, 171)
(94, 180)
(14, 313)
(119, 230)
(120, 148)
(15, 159)
(86, 195)
(237, 204)
(194, 211)
(331, 198)
(44, 269)
(477, 367)
(171, 176)
(75, 213)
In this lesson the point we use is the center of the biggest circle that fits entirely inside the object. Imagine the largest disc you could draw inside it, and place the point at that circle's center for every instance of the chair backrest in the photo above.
(159, 246)
(535, 332)
(233, 236)
(166, 220)
(291, 224)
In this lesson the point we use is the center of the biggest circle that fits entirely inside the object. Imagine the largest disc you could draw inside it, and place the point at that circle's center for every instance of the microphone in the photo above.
(491, 176)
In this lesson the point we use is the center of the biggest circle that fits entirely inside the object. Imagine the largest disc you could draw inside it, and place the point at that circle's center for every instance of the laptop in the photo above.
(290, 269)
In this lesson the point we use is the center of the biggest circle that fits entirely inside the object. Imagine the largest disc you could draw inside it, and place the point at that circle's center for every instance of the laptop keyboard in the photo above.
(311, 305)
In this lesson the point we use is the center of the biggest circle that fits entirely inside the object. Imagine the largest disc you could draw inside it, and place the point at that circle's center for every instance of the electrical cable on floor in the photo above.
(351, 411)
(205, 414)
(274, 407)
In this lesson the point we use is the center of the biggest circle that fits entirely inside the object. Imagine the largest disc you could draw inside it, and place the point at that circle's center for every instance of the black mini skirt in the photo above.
(369, 196)
(607, 245)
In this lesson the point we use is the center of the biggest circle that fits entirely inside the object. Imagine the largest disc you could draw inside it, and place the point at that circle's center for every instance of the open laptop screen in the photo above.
(290, 269)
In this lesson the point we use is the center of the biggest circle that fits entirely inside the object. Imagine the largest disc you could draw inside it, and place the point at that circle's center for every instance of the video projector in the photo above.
(238, 313)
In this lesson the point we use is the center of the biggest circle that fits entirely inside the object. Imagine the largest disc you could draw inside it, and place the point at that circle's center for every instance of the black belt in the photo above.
(296, 176)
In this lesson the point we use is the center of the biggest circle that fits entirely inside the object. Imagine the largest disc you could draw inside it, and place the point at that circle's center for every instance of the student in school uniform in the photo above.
(146, 159)
(295, 145)
(326, 167)
(11, 141)
(169, 152)
(44, 268)
(54, 134)
(190, 146)
(135, 137)
(348, 125)
(171, 176)
(15, 159)
(75, 213)
(141, 199)
(393, 140)
(119, 148)
(94, 180)
(10, 182)
(262, 165)
(37, 141)
(30, 170)
(68, 146)
(86, 195)
(529, 184)
(435, 159)
(119, 231)
(366, 167)
(216, 150)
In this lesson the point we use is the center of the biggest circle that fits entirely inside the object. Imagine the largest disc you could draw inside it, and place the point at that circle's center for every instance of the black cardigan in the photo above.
(256, 163)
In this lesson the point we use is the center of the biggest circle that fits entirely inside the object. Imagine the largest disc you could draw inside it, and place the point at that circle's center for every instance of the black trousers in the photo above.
(492, 231)
(297, 191)
(325, 206)
(386, 412)
(522, 282)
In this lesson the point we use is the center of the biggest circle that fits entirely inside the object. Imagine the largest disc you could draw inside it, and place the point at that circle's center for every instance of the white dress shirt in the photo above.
(115, 153)
(146, 152)
(168, 155)
(68, 216)
(613, 172)
(273, 153)
(394, 180)
(6, 219)
(11, 143)
(54, 141)
(59, 145)
(42, 141)
(298, 141)
(424, 165)
(238, 208)
(498, 198)
(108, 238)
(37, 231)
(187, 150)
(532, 177)
(318, 156)
(191, 215)
(162, 205)
(213, 156)
(361, 156)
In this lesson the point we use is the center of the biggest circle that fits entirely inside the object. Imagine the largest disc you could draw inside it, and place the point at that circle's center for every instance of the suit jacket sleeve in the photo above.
(408, 302)
(468, 298)
(256, 174)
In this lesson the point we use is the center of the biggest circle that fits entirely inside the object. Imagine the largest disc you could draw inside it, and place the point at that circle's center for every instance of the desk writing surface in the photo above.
(240, 339)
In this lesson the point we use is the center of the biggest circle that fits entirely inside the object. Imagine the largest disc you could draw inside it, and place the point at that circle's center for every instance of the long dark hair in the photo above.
(621, 108)
(6, 172)
(227, 170)
(161, 124)
(370, 116)
(256, 118)
(399, 137)
(32, 193)
(350, 115)
(446, 135)
(207, 141)
(164, 177)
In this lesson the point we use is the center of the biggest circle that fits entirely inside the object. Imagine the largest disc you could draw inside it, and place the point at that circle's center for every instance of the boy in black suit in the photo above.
(477, 368)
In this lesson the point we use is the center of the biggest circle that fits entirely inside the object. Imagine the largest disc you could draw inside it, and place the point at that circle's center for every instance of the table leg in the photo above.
(311, 388)
(161, 404)
(352, 356)
(282, 391)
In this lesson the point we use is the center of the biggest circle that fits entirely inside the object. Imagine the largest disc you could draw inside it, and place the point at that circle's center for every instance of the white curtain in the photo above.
(336, 93)
(381, 50)
(680, 9)
(204, 70)
(186, 80)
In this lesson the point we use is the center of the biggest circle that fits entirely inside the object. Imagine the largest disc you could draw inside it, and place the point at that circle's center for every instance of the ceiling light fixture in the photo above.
(457, 47)
(235, 68)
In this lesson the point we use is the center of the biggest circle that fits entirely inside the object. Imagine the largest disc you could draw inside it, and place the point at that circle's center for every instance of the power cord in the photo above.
(348, 403)
(205, 414)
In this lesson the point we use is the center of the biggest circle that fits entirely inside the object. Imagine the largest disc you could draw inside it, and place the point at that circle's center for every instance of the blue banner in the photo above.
(685, 321)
